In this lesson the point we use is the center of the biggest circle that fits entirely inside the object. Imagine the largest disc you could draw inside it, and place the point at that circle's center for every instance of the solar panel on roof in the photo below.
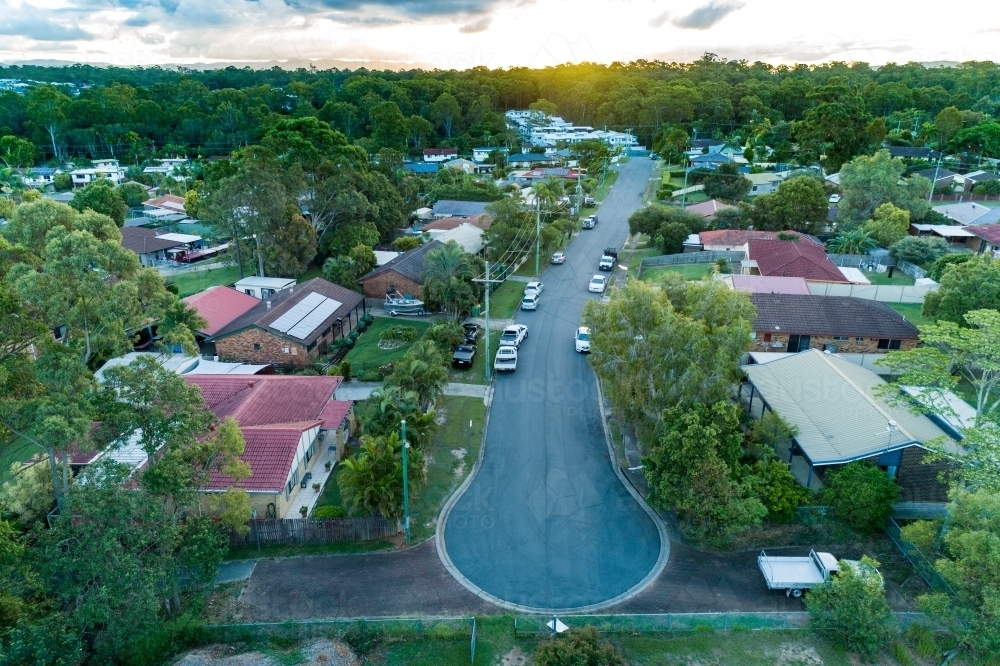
(314, 319)
(297, 312)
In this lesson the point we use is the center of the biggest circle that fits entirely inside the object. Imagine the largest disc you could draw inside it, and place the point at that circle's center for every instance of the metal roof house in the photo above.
(839, 418)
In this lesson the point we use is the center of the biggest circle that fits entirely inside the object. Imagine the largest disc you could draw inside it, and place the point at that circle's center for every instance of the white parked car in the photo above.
(506, 360)
(536, 287)
(597, 284)
(582, 339)
(559, 258)
(530, 301)
(513, 335)
(834, 198)
(606, 264)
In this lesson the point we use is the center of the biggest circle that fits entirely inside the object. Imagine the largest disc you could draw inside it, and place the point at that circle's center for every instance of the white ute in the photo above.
(795, 574)
(506, 360)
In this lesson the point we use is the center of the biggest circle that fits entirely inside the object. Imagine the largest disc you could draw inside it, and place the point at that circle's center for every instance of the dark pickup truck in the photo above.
(611, 252)
(463, 356)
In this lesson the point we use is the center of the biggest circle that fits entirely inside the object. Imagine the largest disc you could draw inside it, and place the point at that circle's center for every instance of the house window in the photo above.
(859, 340)
(797, 343)
(256, 346)
(250, 292)
(840, 338)
(286, 350)
(264, 293)
(889, 344)
(767, 337)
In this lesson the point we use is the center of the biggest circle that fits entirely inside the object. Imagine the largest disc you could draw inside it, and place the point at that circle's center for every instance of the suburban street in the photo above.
(546, 523)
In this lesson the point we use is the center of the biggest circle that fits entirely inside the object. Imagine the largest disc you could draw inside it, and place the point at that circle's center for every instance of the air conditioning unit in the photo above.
(777, 344)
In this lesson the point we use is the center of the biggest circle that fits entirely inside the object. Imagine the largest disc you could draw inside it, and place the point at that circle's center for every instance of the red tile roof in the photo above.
(219, 306)
(483, 221)
(800, 258)
(734, 237)
(988, 232)
(335, 412)
(266, 399)
(171, 201)
(270, 452)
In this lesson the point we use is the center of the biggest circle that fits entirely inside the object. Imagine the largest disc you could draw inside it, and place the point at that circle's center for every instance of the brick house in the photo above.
(795, 322)
(985, 239)
(840, 416)
(403, 274)
(735, 240)
(292, 326)
(291, 426)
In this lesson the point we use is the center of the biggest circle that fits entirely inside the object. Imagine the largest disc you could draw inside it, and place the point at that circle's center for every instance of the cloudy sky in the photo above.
(494, 33)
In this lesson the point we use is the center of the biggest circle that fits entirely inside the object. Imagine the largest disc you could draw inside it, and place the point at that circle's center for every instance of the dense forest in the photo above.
(831, 109)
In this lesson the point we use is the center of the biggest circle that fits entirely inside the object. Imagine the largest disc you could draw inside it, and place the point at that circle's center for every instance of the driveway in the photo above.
(546, 523)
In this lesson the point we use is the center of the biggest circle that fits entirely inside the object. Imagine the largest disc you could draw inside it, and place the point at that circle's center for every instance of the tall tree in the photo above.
(867, 182)
(965, 287)
(447, 112)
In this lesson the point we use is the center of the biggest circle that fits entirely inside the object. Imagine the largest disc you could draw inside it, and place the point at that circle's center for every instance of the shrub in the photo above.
(987, 187)
(924, 535)
(404, 243)
(368, 319)
(345, 370)
(397, 334)
(921, 638)
(62, 182)
(446, 335)
(851, 609)
(941, 264)
(328, 511)
(776, 488)
(6, 208)
(578, 647)
(361, 327)
(919, 249)
(862, 495)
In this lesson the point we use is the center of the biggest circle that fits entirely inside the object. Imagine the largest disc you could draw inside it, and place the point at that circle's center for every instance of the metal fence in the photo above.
(667, 622)
(885, 293)
(920, 562)
(279, 531)
(434, 627)
(705, 257)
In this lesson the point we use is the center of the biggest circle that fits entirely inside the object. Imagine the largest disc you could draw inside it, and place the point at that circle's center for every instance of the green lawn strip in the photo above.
(912, 313)
(506, 298)
(366, 357)
(17, 451)
(294, 549)
(689, 271)
(898, 278)
(192, 283)
(637, 257)
(447, 460)
(311, 272)
(331, 492)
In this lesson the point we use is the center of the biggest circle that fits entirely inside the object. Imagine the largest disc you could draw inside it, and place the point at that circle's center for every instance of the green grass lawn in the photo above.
(601, 191)
(14, 452)
(447, 460)
(689, 271)
(505, 300)
(637, 257)
(311, 272)
(192, 283)
(898, 278)
(366, 357)
(912, 313)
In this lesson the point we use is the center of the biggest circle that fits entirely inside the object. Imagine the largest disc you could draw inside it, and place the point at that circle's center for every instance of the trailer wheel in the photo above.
(796, 593)
(392, 313)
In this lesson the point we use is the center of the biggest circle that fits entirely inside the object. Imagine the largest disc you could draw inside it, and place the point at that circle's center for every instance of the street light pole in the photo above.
(486, 285)
(538, 232)
(406, 486)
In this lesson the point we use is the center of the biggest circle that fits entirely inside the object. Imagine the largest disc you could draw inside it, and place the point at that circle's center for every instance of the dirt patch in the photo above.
(796, 654)
(224, 655)
(223, 604)
(326, 652)
(460, 467)
(515, 658)
(441, 416)
(317, 652)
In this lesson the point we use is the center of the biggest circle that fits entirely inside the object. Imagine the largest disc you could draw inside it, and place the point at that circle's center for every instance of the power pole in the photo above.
(937, 170)
(406, 486)
(260, 259)
(486, 285)
(538, 232)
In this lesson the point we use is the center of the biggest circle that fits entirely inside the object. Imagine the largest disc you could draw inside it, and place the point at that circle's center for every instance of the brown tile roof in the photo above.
(145, 241)
(410, 264)
(829, 315)
(988, 232)
(171, 201)
(282, 301)
(219, 306)
(794, 259)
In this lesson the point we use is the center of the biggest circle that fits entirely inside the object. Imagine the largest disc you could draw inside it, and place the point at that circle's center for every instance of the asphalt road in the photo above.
(546, 523)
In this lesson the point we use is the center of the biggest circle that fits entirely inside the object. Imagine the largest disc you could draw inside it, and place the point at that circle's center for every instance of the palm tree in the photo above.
(422, 371)
(447, 272)
(855, 241)
(549, 192)
(372, 479)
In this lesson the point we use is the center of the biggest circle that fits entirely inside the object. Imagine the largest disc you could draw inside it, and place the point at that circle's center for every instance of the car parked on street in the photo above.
(606, 263)
(589, 201)
(472, 332)
(534, 286)
(506, 360)
(597, 284)
(582, 340)
(530, 300)
(513, 335)
(559, 258)
(463, 356)
(589, 223)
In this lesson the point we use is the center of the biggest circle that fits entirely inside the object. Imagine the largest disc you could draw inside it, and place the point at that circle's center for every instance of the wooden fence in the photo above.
(279, 531)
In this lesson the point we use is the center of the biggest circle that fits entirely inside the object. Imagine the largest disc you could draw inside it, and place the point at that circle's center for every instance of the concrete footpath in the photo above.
(361, 390)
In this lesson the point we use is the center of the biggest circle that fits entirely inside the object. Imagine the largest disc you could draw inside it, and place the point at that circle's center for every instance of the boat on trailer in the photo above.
(397, 304)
